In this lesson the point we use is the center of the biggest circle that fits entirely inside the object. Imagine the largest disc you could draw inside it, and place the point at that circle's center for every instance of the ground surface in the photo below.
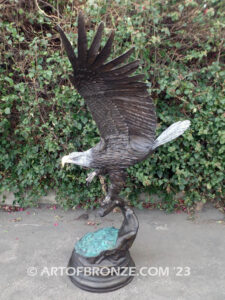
(168, 246)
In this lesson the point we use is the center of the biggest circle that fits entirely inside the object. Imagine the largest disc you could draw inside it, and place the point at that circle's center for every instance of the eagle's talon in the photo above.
(106, 200)
(106, 208)
(90, 177)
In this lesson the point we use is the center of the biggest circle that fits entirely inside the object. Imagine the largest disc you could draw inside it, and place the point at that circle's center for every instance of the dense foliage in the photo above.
(180, 44)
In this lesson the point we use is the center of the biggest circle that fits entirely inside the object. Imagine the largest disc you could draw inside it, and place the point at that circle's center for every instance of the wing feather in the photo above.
(122, 71)
(68, 47)
(93, 51)
(104, 54)
(117, 61)
(82, 41)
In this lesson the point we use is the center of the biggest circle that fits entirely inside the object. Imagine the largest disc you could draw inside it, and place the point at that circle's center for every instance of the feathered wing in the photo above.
(119, 104)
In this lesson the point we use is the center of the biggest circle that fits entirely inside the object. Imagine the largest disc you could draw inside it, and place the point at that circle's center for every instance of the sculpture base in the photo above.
(106, 275)
(101, 261)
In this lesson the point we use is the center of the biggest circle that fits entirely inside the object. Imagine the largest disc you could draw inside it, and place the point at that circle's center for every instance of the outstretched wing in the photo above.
(119, 104)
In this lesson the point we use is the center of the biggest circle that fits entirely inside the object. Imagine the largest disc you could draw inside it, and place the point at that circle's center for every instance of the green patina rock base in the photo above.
(93, 243)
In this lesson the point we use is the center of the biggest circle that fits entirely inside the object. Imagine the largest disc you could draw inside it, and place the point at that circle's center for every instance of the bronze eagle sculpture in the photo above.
(121, 107)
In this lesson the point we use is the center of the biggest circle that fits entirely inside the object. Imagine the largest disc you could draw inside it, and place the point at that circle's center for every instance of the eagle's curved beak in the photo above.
(64, 160)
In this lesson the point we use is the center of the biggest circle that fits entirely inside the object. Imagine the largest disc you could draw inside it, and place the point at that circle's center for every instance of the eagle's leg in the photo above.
(117, 179)
(92, 175)
(103, 184)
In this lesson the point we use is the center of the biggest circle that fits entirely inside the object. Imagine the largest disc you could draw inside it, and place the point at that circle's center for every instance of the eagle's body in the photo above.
(110, 156)
(118, 154)
(120, 105)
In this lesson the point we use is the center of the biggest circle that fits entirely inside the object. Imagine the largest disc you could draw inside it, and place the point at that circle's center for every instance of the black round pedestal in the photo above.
(107, 275)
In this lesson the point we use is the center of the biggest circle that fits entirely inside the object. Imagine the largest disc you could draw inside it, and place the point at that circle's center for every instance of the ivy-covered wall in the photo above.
(42, 118)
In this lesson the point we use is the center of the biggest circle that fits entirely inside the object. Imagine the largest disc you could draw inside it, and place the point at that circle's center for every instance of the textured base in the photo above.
(95, 281)
(94, 243)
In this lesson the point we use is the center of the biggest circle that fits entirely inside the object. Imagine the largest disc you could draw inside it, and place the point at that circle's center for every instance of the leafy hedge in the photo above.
(180, 44)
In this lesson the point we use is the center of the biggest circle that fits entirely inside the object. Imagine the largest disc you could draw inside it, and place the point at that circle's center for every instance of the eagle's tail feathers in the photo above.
(171, 133)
